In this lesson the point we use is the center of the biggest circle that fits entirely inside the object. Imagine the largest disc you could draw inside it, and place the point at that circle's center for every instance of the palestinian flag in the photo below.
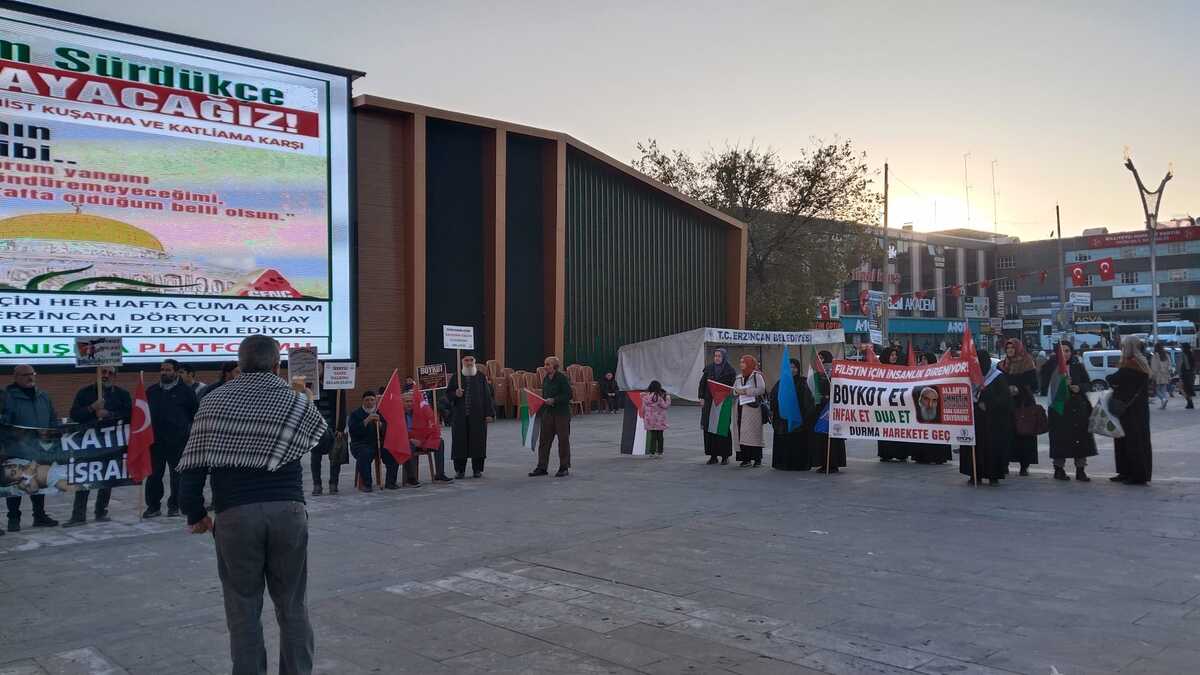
(531, 425)
(637, 442)
(1060, 383)
(814, 385)
(720, 415)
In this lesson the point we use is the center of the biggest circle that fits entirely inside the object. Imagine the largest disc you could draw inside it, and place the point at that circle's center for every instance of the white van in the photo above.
(1169, 332)
(1103, 362)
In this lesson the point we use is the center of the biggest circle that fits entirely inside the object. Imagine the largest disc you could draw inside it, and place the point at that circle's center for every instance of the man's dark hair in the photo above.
(174, 364)
(369, 392)
(258, 354)
(187, 368)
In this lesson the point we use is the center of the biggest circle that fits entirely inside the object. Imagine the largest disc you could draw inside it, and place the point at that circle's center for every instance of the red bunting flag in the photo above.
(1106, 269)
(955, 291)
(920, 295)
(1042, 277)
(141, 436)
(1078, 276)
(896, 298)
(912, 356)
(985, 283)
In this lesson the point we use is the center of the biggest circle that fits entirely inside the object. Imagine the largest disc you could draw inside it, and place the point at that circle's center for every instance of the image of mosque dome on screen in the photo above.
(79, 227)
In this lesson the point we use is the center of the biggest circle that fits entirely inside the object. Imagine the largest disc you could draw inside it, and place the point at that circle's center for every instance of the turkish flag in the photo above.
(141, 436)
(1042, 277)
(391, 408)
(1078, 276)
(912, 356)
(869, 354)
(862, 301)
(1106, 269)
(985, 283)
(955, 291)
(824, 311)
(972, 357)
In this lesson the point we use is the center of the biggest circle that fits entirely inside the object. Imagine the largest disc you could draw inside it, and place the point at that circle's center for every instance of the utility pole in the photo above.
(967, 188)
(1062, 282)
(887, 251)
(995, 219)
(1150, 203)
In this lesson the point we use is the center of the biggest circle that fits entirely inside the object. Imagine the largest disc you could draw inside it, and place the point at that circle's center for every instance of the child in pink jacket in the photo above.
(654, 412)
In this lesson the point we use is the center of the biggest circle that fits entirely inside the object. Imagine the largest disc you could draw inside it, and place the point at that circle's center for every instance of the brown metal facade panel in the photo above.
(554, 212)
(736, 252)
(384, 206)
(413, 224)
(495, 180)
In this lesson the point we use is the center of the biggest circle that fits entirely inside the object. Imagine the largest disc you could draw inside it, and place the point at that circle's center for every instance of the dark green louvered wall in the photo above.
(639, 264)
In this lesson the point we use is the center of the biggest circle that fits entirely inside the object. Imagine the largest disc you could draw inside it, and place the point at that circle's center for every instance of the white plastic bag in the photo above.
(1102, 421)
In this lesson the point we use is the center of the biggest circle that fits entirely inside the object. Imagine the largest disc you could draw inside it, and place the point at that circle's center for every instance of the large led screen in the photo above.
(182, 198)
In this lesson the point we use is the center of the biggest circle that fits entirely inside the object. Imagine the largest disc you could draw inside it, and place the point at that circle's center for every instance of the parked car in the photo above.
(1103, 362)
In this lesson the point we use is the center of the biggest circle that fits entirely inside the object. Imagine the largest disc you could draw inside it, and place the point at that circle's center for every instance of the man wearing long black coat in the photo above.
(471, 407)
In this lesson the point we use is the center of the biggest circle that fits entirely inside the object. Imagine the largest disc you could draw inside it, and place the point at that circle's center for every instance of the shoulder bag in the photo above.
(1031, 420)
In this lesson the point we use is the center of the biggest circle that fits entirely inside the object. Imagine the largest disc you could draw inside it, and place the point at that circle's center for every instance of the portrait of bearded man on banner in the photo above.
(929, 404)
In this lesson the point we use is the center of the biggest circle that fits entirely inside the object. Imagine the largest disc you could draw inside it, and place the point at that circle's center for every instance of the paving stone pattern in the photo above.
(660, 566)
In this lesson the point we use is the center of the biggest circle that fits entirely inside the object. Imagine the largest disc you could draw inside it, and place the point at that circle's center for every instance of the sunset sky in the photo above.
(1051, 91)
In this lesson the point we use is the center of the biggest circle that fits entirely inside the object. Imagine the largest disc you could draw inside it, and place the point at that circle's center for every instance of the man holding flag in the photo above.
(1065, 383)
(820, 446)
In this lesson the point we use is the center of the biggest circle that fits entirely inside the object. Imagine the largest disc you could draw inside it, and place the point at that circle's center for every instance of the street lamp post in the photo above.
(1150, 203)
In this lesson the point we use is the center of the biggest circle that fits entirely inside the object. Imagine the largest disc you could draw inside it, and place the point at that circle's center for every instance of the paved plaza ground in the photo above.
(636, 565)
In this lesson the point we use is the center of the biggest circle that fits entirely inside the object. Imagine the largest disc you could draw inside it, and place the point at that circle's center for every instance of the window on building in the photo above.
(1083, 257)
(1129, 252)
(1006, 262)
(1129, 304)
(1129, 277)
(1006, 285)
(1177, 248)
(1174, 302)
(1177, 275)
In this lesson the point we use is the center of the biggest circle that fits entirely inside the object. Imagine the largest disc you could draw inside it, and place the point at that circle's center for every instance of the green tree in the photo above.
(807, 218)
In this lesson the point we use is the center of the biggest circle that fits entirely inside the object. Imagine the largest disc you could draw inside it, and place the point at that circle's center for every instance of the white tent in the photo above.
(677, 361)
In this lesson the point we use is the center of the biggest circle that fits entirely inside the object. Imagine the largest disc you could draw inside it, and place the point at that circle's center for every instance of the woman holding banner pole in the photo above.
(820, 446)
(994, 428)
(892, 451)
(930, 453)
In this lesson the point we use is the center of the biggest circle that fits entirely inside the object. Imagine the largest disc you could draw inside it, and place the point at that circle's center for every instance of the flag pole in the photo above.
(974, 467)
(142, 483)
(100, 385)
(378, 452)
(828, 441)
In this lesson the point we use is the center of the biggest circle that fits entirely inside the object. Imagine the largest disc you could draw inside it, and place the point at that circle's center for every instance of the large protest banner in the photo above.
(921, 404)
(179, 196)
(66, 459)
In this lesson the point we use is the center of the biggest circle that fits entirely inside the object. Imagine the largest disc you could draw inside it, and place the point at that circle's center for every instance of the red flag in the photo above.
(391, 408)
(1062, 360)
(912, 356)
(972, 357)
(955, 291)
(824, 311)
(425, 431)
(985, 283)
(1106, 269)
(896, 298)
(863, 298)
(920, 295)
(869, 354)
(1042, 277)
(141, 436)
(1078, 276)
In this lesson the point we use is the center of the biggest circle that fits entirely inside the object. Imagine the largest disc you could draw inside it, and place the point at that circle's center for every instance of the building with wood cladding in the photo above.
(540, 242)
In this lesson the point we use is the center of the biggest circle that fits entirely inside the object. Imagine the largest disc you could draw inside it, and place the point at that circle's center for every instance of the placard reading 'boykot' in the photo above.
(174, 196)
(920, 404)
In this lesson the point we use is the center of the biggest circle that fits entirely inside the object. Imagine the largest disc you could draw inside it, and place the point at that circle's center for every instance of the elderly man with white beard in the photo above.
(927, 405)
(472, 406)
